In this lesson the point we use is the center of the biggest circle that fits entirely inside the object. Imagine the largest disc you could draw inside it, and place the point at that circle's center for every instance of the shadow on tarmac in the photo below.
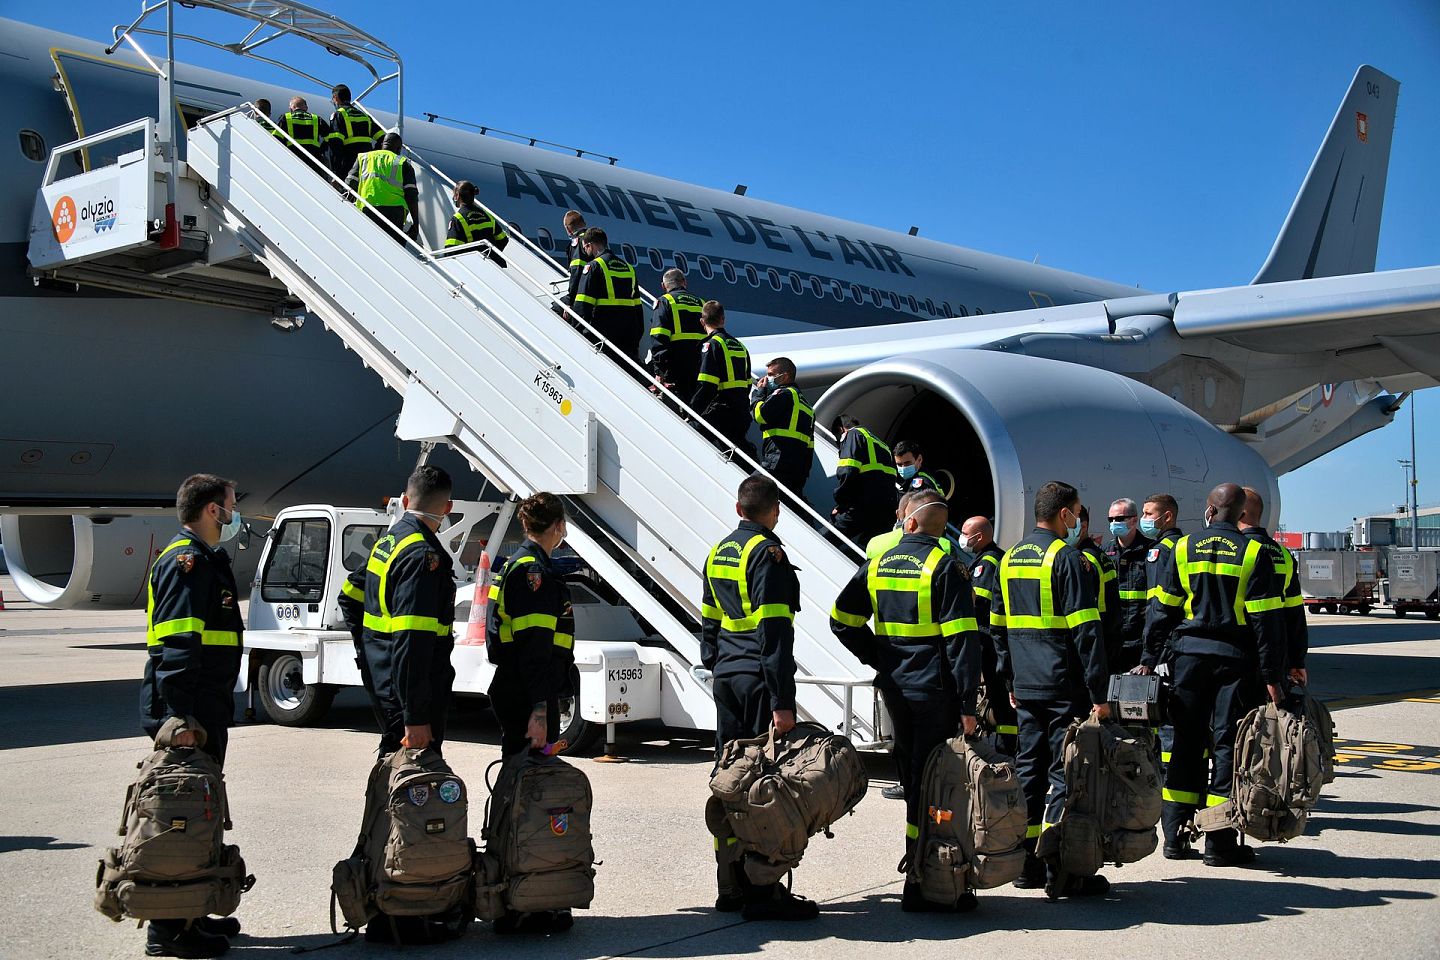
(11, 844)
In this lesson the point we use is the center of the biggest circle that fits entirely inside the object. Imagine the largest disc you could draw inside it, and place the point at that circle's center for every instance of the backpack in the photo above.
(972, 828)
(173, 863)
(1112, 799)
(1279, 771)
(538, 854)
(414, 857)
(1318, 716)
(776, 792)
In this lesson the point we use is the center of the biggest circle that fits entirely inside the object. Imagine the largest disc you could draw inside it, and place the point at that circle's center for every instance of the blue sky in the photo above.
(1144, 143)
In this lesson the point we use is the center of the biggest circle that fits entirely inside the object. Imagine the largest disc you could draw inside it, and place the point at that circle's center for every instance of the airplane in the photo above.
(109, 396)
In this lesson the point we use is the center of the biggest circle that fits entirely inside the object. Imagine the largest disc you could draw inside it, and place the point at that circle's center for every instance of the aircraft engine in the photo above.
(1004, 424)
(95, 562)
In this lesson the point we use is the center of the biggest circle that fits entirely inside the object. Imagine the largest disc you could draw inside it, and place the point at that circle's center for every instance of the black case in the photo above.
(1136, 699)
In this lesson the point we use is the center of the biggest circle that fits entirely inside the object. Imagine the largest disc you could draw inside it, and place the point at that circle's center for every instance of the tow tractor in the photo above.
(298, 653)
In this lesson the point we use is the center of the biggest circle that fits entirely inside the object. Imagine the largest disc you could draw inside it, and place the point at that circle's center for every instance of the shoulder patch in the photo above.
(587, 268)
(705, 348)
(979, 571)
(534, 577)
(1153, 555)
(432, 561)
(917, 483)
(776, 552)
(185, 561)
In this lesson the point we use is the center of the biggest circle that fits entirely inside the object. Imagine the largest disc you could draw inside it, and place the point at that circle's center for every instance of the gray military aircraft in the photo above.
(108, 396)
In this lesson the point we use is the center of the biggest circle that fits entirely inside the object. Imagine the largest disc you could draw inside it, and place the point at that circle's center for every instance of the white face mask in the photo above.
(967, 544)
(437, 517)
(230, 529)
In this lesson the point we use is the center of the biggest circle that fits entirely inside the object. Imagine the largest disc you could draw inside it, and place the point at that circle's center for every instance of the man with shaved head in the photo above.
(977, 536)
(1219, 605)
(1297, 632)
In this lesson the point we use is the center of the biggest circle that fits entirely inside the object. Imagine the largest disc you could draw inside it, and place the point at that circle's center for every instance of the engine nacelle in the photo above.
(63, 561)
(1004, 424)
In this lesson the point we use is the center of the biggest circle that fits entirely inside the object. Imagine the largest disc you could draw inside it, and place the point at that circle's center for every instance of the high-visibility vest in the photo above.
(801, 425)
(303, 128)
(155, 633)
(725, 570)
(882, 543)
(684, 318)
(735, 360)
(1023, 565)
(621, 289)
(382, 179)
(482, 221)
(873, 462)
(359, 127)
(382, 556)
(890, 589)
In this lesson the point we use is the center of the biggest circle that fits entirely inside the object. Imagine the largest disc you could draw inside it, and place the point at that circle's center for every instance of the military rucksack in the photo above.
(773, 793)
(173, 863)
(1279, 771)
(538, 854)
(414, 857)
(1112, 799)
(972, 822)
(1319, 717)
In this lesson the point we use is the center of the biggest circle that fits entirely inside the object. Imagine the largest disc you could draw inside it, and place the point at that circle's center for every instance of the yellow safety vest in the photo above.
(802, 420)
(382, 179)
(613, 269)
(303, 128)
(1013, 569)
(382, 557)
(737, 364)
(726, 565)
(155, 633)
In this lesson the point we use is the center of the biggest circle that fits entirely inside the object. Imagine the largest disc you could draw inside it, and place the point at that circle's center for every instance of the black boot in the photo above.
(219, 926)
(1175, 823)
(176, 938)
(1223, 849)
(895, 791)
(1032, 876)
(774, 902)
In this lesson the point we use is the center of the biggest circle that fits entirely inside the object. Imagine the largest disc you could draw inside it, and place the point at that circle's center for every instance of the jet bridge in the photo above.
(484, 357)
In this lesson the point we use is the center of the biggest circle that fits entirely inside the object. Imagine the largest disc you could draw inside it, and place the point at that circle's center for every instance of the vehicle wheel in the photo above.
(1432, 614)
(1400, 612)
(288, 700)
(1363, 611)
(578, 733)
(1342, 609)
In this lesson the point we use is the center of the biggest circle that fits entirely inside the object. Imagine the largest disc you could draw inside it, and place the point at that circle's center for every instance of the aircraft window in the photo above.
(930, 306)
(657, 259)
(794, 283)
(544, 240)
(946, 308)
(816, 288)
(774, 276)
(706, 270)
(681, 263)
(628, 252)
(894, 300)
(837, 290)
(752, 275)
(914, 306)
(960, 311)
(979, 312)
(32, 145)
(875, 296)
(295, 571)
(355, 544)
(729, 269)
(856, 293)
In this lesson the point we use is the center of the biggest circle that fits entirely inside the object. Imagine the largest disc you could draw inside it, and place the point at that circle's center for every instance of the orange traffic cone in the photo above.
(479, 604)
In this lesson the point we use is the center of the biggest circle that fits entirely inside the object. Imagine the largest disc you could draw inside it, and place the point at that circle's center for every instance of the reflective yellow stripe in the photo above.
(531, 620)
(220, 638)
(1088, 615)
(999, 619)
(1166, 597)
(961, 625)
(169, 628)
(564, 640)
(711, 613)
(1295, 601)
(912, 832)
(1006, 728)
(717, 570)
(1033, 831)
(982, 592)
(1214, 800)
(427, 624)
(1134, 594)
(353, 592)
(729, 841)
(849, 619)
(1180, 796)
(1268, 603)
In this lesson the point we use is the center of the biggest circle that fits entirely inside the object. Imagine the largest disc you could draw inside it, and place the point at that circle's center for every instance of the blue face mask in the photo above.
(772, 381)
(1119, 528)
(231, 528)
(1072, 536)
(907, 472)
(1149, 527)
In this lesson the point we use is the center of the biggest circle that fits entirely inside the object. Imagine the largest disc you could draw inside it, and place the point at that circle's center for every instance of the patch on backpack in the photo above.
(434, 826)
(419, 794)
(1153, 555)
(940, 815)
(450, 791)
(560, 823)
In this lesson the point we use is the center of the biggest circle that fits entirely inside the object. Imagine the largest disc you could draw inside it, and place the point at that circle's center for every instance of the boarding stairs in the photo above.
(484, 363)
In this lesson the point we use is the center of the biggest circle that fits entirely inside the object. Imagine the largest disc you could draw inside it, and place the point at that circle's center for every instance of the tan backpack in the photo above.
(1112, 799)
(173, 863)
(972, 829)
(1318, 715)
(1279, 772)
(776, 792)
(538, 854)
(414, 856)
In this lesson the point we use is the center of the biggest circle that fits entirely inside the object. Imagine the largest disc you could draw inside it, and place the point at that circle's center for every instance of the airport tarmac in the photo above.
(1362, 882)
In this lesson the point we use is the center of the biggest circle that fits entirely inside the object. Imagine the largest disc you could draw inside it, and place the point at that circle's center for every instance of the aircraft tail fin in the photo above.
(1334, 224)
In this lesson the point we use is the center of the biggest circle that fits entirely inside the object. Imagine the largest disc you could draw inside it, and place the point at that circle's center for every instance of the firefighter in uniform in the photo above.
(1127, 551)
(1297, 631)
(925, 650)
(978, 538)
(1045, 619)
(1218, 610)
(787, 425)
(575, 254)
(193, 637)
(384, 184)
(910, 469)
(747, 643)
(471, 223)
(305, 128)
(676, 331)
(608, 297)
(352, 131)
(722, 384)
(865, 495)
(1157, 521)
(401, 606)
(1107, 592)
